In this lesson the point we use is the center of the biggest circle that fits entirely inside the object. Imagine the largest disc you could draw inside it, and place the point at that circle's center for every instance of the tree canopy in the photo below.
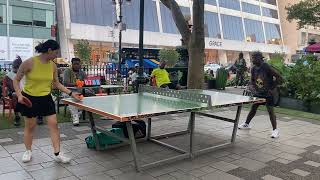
(306, 12)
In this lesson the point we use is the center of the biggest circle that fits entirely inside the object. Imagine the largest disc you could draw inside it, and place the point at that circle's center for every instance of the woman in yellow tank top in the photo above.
(40, 75)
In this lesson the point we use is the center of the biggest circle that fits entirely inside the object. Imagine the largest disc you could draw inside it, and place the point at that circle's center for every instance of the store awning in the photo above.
(313, 48)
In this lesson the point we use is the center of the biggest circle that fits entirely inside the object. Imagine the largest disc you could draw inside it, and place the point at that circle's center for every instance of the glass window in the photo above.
(3, 14)
(230, 4)
(211, 25)
(254, 31)
(49, 18)
(273, 2)
(250, 8)
(211, 2)
(21, 15)
(39, 17)
(273, 33)
(270, 13)
(232, 27)
(131, 15)
(94, 12)
(168, 24)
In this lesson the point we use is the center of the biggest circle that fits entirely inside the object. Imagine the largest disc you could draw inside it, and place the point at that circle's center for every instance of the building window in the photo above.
(273, 2)
(21, 15)
(254, 31)
(270, 13)
(39, 17)
(131, 15)
(273, 33)
(232, 27)
(211, 2)
(230, 4)
(3, 14)
(49, 18)
(211, 24)
(250, 8)
(93, 12)
(168, 24)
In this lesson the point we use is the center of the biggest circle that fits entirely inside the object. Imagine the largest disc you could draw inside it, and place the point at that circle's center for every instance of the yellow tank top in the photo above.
(39, 79)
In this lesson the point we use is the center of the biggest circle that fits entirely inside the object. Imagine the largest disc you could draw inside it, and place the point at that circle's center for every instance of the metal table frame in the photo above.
(184, 154)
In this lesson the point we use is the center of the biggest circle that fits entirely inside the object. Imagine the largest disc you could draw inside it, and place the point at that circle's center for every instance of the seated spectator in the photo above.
(162, 77)
(70, 75)
(135, 74)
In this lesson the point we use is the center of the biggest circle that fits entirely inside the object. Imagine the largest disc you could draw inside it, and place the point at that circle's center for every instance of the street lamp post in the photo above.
(140, 78)
(121, 27)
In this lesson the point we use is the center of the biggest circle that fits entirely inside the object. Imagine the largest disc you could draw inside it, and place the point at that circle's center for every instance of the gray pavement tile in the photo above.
(219, 175)
(312, 163)
(86, 169)
(270, 150)
(300, 172)
(197, 173)
(283, 161)
(83, 136)
(3, 140)
(166, 177)
(134, 176)
(158, 171)
(112, 164)
(69, 178)
(17, 148)
(249, 164)
(49, 164)
(51, 173)
(260, 156)
(113, 172)
(33, 167)
(179, 175)
(81, 128)
(73, 142)
(37, 158)
(223, 166)
(8, 164)
(42, 142)
(99, 176)
(4, 153)
(208, 169)
(16, 175)
(270, 177)
(83, 160)
(288, 156)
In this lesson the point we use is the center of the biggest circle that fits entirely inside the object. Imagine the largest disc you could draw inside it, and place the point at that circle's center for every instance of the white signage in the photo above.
(3, 48)
(22, 47)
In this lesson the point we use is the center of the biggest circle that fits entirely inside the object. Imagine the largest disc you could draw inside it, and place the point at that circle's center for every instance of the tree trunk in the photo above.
(196, 47)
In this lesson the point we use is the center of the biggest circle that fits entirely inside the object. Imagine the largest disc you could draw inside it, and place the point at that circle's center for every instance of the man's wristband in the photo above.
(70, 94)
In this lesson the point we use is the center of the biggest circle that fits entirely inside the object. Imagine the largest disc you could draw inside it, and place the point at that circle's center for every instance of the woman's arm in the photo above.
(24, 68)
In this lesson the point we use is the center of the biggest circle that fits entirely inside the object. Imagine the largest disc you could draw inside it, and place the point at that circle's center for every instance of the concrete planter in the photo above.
(297, 104)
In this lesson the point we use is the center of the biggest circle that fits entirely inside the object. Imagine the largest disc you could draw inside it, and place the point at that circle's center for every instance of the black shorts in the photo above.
(269, 100)
(41, 106)
(170, 86)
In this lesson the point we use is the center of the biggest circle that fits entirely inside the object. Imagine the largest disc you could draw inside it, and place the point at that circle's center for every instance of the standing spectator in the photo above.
(241, 68)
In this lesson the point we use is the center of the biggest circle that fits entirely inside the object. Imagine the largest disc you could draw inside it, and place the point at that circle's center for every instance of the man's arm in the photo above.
(277, 75)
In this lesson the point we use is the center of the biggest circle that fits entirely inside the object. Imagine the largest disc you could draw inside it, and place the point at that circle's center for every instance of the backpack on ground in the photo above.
(104, 140)
(139, 128)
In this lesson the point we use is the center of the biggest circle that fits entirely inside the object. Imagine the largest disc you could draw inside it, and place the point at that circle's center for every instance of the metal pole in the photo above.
(120, 35)
(8, 29)
(141, 28)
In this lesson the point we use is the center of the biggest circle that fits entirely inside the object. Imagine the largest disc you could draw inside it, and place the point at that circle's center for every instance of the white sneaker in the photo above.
(244, 126)
(26, 157)
(275, 134)
(62, 158)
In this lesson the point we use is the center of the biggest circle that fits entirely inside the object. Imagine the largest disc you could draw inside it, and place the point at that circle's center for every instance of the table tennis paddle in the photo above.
(27, 102)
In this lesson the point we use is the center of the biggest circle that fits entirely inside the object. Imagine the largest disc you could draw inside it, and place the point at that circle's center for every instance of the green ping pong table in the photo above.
(151, 102)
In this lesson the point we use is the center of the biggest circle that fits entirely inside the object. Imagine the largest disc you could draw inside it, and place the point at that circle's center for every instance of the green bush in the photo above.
(305, 80)
(171, 56)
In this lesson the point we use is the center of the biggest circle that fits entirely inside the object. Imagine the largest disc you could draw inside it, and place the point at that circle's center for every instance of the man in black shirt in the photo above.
(264, 79)
(241, 68)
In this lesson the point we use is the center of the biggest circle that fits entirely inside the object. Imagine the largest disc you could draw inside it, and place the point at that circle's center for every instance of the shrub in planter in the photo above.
(305, 80)
(210, 80)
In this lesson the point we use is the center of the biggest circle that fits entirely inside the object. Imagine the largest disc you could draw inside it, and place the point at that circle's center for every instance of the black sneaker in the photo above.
(17, 120)
(39, 120)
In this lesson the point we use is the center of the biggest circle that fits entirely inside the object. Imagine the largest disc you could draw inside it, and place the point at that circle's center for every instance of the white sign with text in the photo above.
(22, 47)
(3, 48)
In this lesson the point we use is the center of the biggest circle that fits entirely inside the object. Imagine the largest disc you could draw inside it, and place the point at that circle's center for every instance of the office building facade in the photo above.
(23, 24)
(231, 27)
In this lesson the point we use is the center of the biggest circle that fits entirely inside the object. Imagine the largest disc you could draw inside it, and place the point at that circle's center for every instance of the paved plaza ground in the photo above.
(295, 155)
